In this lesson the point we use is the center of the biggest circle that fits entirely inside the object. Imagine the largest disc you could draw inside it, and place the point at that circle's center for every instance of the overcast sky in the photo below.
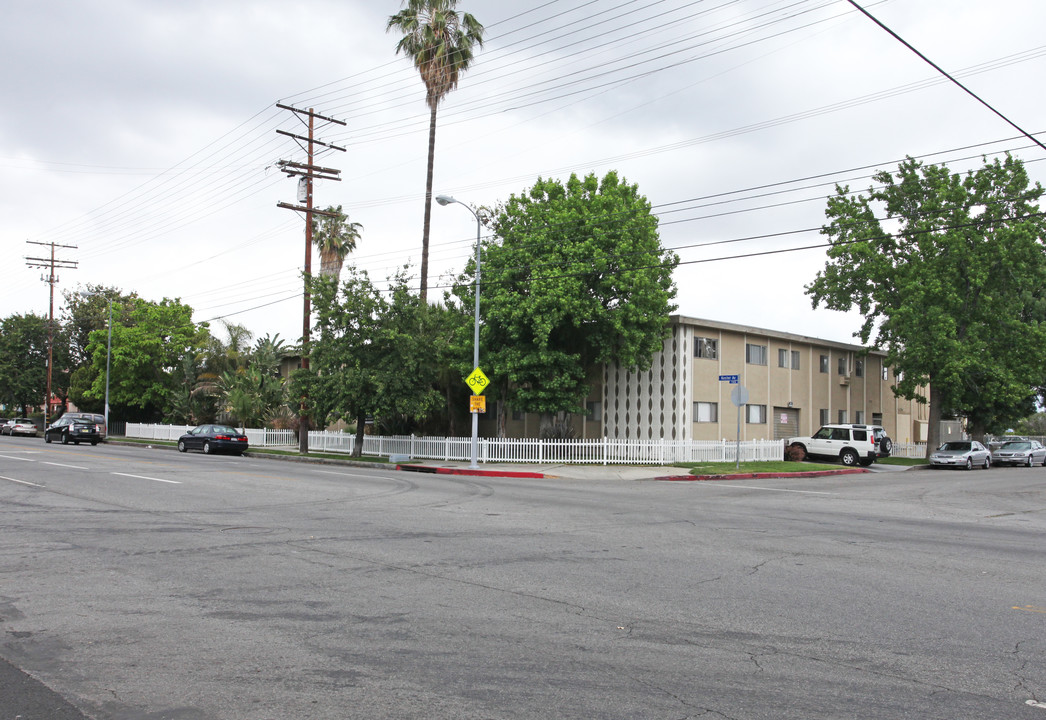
(143, 132)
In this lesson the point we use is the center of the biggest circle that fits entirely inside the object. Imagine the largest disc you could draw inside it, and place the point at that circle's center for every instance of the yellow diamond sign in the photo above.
(477, 382)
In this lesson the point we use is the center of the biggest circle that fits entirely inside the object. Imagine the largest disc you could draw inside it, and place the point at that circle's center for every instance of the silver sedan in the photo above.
(1020, 452)
(965, 454)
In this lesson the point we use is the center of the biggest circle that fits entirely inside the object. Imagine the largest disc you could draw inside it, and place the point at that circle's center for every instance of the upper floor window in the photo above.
(755, 354)
(843, 366)
(824, 364)
(706, 348)
(859, 367)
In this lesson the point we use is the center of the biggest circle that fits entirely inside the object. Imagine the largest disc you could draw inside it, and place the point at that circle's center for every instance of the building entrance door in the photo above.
(786, 423)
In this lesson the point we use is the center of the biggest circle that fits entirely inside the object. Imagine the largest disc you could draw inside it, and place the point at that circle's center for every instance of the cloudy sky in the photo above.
(140, 135)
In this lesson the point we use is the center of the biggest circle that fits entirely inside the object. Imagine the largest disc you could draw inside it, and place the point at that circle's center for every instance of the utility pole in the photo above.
(51, 263)
(307, 172)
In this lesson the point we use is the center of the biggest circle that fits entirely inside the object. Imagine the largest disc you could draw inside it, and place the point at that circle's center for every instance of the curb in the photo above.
(469, 471)
(751, 476)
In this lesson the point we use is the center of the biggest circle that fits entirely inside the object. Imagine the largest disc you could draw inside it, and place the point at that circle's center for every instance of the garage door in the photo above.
(786, 423)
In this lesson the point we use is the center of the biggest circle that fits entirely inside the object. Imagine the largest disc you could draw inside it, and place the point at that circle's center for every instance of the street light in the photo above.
(447, 200)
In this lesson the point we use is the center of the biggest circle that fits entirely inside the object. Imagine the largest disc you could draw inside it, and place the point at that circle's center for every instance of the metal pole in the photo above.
(446, 200)
(108, 356)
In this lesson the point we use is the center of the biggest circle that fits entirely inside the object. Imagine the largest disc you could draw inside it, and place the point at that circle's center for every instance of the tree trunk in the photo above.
(933, 432)
(361, 425)
(977, 432)
(428, 206)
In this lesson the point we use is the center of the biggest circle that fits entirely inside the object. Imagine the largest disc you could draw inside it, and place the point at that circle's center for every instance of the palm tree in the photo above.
(439, 40)
(335, 237)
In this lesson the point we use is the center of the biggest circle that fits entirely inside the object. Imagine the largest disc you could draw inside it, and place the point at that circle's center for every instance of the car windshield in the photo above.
(1017, 446)
(961, 446)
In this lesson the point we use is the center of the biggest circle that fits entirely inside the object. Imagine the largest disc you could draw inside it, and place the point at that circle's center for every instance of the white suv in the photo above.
(850, 444)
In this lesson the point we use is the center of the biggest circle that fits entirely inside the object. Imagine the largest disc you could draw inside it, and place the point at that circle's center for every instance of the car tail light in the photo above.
(222, 437)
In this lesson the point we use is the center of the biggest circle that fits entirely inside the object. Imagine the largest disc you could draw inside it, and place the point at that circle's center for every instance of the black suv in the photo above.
(96, 418)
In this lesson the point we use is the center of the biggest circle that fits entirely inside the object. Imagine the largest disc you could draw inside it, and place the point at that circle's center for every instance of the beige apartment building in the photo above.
(795, 384)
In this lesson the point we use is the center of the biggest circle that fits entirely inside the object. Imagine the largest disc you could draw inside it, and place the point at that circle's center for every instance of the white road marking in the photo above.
(11, 457)
(20, 482)
(144, 477)
(1036, 704)
(755, 487)
(74, 467)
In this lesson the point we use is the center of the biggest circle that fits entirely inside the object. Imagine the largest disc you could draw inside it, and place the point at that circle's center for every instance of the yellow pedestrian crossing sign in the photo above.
(477, 382)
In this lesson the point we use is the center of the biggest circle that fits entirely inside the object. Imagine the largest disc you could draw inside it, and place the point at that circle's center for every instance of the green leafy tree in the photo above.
(953, 291)
(576, 277)
(23, 362)
(440, 41)
(335, 237)
(373, 356)
(86, 310)
(146, 355)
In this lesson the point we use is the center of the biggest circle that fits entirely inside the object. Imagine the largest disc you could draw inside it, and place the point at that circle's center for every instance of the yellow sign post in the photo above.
(478, 403)
(477, 382)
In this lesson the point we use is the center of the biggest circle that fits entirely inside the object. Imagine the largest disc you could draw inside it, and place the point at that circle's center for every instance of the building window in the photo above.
(755, 354)
(842, 366)
(859, 417)
(782, 358)
(886, 372)
(795, 359)
(859, 367)
(595, 411)
(824, 363)
(755, 414)
(706, 348)
(842, 417)
(823, 420)
(706, 412)
(877, 418)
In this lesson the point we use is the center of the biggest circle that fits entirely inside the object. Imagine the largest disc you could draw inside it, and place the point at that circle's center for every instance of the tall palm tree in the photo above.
(439, 40)
(335, 237)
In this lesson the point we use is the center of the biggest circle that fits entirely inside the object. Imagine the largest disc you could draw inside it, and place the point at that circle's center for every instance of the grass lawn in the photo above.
(778, 467)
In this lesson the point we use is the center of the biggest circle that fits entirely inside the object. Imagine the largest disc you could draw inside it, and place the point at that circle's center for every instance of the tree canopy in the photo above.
(576, 276)
(951, 283)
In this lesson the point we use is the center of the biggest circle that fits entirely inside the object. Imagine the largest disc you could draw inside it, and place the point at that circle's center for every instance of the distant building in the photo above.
(795, 384)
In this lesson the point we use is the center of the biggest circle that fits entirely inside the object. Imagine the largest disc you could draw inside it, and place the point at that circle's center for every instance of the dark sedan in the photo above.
(72, 430)
(213, 439)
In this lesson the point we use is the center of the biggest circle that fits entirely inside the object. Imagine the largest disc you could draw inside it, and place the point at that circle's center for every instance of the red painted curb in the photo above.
(469, 471)
(750, 476)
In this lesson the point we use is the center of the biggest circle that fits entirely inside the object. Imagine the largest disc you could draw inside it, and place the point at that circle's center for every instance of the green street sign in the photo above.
(477, 382)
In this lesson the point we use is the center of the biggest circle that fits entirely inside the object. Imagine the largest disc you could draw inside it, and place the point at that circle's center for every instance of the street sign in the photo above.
(739, 395)
(732, 379)
(478, 403)
(477, 382)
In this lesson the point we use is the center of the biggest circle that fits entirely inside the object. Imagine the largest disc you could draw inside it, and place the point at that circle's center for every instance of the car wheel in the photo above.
(65, 438)
(987, 462)
(969, 463)
(1031, 461)
(849, 457)
(886, 445)
(207, 448)
(75, 441)
(181, 446)
(47, 438)
(866, 462)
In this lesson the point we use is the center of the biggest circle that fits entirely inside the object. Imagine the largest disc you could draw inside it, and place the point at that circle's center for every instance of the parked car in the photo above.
(849, 443)
(96, 418)
(76, 430)
(961, 453)
(19, 426)
(213, 438)
(996, 443)
(1020, 452)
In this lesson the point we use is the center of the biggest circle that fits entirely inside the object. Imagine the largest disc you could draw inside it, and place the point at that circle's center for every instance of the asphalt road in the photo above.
(141, 584)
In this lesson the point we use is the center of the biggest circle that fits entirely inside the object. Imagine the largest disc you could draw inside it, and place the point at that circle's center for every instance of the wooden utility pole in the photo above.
(307, 172)
(51, 278)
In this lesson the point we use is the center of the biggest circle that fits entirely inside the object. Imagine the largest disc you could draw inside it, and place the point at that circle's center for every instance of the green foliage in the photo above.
(146, 352)
(23, 362)
(335, 237)
(575, 278)
(955, 295)
(374, 356)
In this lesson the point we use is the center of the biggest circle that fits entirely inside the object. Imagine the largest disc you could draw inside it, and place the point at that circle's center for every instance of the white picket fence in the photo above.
(605, 451)
(909, 450)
